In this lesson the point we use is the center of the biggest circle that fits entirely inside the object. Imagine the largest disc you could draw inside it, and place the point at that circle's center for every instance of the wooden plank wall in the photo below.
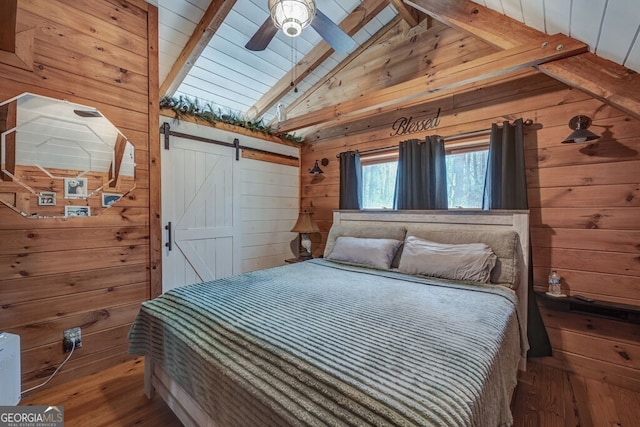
(89, 272)
(584, 198)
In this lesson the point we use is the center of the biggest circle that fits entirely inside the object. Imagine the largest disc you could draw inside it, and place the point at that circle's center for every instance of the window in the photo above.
(466, 169)
(379, 185)
(465, 178)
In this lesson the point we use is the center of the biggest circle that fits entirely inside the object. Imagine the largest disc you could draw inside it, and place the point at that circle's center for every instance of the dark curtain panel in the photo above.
(421, 180)
(350, 180)
(506, 188)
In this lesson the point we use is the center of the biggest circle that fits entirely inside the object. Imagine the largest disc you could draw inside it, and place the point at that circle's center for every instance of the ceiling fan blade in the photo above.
(332, 34)
(263, 36)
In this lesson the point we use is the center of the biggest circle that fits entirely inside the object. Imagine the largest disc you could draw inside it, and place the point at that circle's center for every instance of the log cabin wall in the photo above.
(88, 272)
(584, 198)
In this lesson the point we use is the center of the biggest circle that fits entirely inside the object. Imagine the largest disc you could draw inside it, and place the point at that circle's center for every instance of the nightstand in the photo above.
(608, 310)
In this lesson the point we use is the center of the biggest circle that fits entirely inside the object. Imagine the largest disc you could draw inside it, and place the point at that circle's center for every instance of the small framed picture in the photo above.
(77, 211)
(75, 188)
(109, 198)
(47, 198)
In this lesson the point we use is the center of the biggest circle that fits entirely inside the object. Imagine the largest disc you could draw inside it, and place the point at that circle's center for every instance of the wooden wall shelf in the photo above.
(608, 310)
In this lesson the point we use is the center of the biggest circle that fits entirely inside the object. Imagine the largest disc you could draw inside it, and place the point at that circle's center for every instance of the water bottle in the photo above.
(554, 284)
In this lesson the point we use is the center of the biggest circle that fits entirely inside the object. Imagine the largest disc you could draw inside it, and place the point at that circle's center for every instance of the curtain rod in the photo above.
(527, 122)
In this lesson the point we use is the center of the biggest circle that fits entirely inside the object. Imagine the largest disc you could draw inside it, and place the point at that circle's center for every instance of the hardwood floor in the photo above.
(545, 397)
(113, 398)
(548, 396)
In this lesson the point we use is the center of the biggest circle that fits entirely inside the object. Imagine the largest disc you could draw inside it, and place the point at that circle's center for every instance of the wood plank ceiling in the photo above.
(215, 68)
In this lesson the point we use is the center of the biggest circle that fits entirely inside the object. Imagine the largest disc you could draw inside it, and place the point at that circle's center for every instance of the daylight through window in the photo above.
(466, 171)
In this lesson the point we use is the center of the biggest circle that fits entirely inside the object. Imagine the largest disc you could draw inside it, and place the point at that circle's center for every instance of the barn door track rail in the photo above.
(165, 129)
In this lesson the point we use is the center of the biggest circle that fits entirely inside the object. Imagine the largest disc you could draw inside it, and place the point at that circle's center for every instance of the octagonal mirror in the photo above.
(61, 159)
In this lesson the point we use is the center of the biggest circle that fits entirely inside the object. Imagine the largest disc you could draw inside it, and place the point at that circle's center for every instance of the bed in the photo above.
(334, 342)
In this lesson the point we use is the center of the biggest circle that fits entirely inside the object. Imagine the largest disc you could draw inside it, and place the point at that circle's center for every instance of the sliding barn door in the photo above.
(199, 200)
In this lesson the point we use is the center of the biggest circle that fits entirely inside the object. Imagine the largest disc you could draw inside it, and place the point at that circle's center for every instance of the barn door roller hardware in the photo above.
(165, 129)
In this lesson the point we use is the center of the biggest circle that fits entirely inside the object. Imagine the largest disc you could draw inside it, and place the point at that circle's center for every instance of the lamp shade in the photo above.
(316, 169)
(580, 133)
(305, 224)
(292, 16)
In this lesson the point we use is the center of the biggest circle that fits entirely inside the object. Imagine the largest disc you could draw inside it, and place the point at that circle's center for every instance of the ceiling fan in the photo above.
(292, 16)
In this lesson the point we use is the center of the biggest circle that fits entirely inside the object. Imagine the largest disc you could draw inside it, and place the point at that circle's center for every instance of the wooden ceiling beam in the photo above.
(8, 11)
(605, 80)
(202, 34)
(343, 64)
(535, 52)
(356, 20)
(409, 14)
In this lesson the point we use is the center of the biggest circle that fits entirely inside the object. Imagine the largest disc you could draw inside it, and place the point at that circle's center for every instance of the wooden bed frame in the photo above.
(157, 380)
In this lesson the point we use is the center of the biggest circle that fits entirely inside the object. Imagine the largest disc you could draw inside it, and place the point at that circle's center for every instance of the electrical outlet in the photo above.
(69, 337)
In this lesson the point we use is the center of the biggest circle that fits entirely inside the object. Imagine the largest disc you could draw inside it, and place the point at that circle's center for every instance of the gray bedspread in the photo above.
(319, 343)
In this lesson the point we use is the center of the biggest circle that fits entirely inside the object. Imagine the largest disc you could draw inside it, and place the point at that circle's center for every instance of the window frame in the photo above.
(462, 145)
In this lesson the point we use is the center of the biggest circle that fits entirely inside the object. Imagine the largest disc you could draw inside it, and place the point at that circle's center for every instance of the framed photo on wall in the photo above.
(47, 198)
(109, 198)
(77, 211)
(75, 188)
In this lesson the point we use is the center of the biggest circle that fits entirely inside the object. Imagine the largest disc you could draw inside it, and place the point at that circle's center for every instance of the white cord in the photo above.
(73, 347)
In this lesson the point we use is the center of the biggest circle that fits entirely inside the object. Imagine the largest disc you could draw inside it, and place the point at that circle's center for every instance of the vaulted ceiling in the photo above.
(203, 54)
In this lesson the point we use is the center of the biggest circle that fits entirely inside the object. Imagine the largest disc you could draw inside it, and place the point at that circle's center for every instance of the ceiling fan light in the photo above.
(291, 27)
(292, 16)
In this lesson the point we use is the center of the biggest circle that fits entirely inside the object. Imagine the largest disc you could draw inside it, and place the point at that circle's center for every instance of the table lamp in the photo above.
(304, 226)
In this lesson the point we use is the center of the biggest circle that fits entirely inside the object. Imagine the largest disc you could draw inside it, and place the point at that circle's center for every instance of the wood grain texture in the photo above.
(267, 157)
(397, 96)
(168, 115)
(545, 396)
(583, 198)
(155, 201)
(601, 78)
(8, 149)
(16, 43)
(8, 11)
(409, 14)
(24, 313)
(382, 61)
(57, 274)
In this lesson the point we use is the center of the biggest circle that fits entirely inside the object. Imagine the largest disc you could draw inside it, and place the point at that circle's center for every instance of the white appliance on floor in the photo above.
(9, 369)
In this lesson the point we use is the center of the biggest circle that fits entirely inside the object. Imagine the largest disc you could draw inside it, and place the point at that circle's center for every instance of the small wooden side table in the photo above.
(608, 310)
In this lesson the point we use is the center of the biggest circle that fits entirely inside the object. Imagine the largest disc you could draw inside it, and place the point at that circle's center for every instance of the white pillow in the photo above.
(376, 253)
(470, 261)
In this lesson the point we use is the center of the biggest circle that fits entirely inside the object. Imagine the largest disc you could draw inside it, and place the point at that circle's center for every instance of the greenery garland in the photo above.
(183, 106)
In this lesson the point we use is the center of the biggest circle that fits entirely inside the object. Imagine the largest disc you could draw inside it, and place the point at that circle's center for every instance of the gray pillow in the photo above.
(377, 253)
(382, 231)
(470, 261)
(504, 243)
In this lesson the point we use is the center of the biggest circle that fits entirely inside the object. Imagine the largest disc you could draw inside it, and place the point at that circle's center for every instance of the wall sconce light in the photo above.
(580, 133)
(305, 225)
(316, 168)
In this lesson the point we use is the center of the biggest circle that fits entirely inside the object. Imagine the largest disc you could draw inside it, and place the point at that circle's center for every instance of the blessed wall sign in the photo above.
(407, 125)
